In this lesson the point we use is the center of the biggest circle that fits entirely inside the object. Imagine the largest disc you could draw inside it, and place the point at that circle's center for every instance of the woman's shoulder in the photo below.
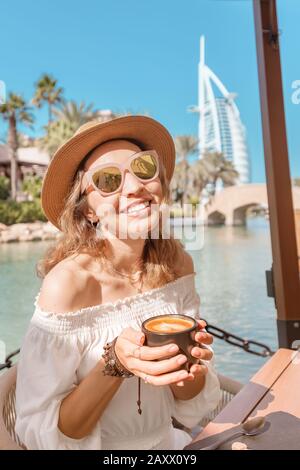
(184, 264)
(68, 286)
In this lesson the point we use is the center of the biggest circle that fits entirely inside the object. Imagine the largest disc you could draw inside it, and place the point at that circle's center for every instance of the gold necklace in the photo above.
(126, 275)
(122, 274)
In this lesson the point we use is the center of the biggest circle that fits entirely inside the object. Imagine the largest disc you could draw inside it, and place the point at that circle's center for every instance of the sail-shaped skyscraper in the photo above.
(220, 125)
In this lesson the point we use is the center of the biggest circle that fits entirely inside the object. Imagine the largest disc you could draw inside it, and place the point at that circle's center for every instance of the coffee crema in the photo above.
(167, 324)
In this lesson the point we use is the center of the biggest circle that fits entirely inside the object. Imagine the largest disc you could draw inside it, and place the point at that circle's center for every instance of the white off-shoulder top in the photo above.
(59, 350)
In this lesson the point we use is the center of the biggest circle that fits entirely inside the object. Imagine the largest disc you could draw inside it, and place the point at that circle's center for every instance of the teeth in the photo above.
(138, 207)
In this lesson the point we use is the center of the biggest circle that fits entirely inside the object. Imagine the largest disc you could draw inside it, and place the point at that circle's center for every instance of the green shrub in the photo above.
(31, 211)
(176, 212)
(12, 212)
(4, 187)
(9, 211)
(32, 185)
(194, 200)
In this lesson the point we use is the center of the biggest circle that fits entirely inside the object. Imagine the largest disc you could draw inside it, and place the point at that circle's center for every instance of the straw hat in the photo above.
(147, 133)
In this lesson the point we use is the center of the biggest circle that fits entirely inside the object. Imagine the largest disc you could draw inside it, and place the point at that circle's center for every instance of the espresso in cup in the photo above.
(166, 329)
(168, 324)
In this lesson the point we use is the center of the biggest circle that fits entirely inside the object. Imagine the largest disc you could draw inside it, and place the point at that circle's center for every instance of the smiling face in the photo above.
(132, 211)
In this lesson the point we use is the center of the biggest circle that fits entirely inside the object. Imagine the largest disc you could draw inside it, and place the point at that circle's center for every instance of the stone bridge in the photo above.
(231, 204)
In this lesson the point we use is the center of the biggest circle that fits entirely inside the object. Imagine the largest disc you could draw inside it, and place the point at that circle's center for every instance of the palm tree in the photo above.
(46, 91)
(208, 170)
(15, 111)
(178, 185)
(69, 117)
(200, 177)
(185, 145)
(75, 114)
(58, 133)
(219, 168)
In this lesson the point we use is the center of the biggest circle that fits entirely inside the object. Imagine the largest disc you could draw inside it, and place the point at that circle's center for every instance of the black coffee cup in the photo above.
(172, 328)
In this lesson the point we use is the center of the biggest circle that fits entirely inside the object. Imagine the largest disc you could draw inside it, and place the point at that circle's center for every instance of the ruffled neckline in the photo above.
(125, 300)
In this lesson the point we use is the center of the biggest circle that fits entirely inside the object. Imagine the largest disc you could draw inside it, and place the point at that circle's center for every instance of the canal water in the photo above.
(230, 279)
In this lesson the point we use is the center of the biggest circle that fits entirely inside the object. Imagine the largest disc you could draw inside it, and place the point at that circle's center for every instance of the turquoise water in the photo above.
(230, 279)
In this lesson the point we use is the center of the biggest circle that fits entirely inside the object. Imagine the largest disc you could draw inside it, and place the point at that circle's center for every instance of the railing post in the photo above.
(282, 223)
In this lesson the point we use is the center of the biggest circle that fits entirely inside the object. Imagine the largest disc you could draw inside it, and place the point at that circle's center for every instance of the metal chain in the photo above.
(248, 345)
(8, 361)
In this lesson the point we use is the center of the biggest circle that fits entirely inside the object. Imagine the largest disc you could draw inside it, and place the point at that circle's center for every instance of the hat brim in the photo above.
(144, 131)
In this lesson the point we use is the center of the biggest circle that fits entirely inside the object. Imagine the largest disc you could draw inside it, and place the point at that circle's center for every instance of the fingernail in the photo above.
(173, 348)
(181, 360)
(141, 339)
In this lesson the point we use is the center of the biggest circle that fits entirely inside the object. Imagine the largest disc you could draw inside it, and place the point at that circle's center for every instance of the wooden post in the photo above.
(282, 223)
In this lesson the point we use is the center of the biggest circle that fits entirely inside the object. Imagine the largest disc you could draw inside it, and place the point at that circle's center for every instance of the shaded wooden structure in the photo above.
(31, 160)
(285, 270)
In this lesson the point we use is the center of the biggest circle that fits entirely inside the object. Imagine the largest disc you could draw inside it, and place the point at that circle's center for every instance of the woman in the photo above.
(106, 276)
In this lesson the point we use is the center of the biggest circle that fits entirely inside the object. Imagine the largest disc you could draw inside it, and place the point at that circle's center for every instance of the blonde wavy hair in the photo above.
(79, 236)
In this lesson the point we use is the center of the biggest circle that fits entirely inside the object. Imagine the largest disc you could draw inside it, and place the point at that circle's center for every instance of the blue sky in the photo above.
(142, 55)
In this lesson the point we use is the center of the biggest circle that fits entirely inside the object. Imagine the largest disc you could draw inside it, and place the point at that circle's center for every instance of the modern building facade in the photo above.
(220, 125)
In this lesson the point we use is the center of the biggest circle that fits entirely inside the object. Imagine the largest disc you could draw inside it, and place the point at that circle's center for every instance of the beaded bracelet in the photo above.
(113, 367)
(112, 364)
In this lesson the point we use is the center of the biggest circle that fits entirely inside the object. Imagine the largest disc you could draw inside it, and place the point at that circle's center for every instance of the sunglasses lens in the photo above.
(107, 179)
(144, 167)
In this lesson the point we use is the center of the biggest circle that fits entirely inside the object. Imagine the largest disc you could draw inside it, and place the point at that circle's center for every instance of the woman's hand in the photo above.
(200, 352)
(141, 360)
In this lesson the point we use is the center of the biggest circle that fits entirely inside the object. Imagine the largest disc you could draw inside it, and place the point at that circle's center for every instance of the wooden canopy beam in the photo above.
(281, 211)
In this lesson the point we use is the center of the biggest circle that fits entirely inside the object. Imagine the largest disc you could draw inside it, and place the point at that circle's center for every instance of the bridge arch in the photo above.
(216, 218)
(231, 204)
(239, 215)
